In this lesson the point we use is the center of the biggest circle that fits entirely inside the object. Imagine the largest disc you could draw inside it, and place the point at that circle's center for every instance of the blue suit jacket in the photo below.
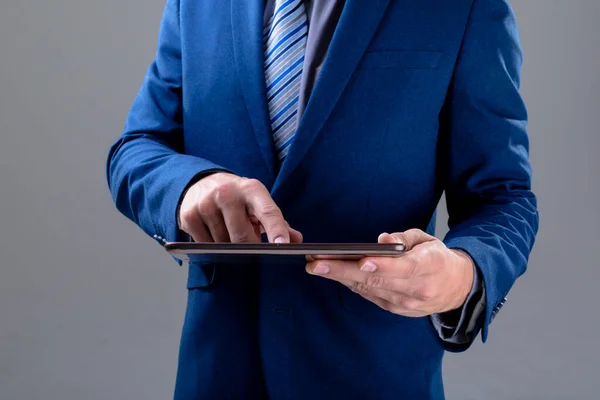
(415, 97)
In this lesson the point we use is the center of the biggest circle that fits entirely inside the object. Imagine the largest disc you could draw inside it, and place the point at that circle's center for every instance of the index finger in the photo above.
(261, 205)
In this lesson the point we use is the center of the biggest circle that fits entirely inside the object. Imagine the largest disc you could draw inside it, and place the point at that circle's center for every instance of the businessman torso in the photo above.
(364, 161)
(373, 152)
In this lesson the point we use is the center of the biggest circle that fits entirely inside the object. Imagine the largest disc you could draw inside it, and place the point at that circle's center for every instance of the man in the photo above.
(332, 121)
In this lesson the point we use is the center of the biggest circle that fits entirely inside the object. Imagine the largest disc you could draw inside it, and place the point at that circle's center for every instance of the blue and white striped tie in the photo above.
(285, 44)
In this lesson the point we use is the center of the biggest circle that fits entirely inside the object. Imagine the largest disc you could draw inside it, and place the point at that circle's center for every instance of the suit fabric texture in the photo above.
(414, 98)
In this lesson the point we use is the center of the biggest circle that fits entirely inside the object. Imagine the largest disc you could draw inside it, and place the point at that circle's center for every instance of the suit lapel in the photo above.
(247, 26)
(357, 25)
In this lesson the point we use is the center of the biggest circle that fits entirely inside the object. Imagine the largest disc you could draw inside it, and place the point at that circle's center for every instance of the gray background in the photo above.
(95, 311)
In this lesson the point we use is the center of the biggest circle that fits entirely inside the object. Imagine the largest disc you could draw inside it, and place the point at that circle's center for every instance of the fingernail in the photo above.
(279, 240)
(368, 267)
(321, 269)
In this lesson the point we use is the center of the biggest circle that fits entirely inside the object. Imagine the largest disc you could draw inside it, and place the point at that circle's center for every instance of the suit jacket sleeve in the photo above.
(493, 214)
(146, 170)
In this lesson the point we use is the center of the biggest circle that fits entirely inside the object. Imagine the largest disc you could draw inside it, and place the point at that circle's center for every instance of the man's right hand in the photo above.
(223, 207)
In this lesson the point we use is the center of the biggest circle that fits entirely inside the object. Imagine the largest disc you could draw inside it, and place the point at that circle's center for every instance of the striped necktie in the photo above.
(285, 43)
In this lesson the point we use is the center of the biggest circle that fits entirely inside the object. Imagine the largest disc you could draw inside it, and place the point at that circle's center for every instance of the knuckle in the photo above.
(270, 210)
(188, 217)
(360, 288)
(426, 293)
(242, 237)
(357, 287)
(207, 208)
(374, 281)
(395, 300)
(225, 193)
(251, 184)
(408, 303)
(422, 252)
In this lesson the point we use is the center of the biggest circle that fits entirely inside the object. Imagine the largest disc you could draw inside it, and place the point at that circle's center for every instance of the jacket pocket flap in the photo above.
(201, 275)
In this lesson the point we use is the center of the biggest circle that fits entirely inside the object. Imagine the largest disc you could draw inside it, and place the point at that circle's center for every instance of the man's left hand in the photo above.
(428, 279)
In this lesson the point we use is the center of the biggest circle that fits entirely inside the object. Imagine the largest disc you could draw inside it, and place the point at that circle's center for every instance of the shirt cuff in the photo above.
(460, 325)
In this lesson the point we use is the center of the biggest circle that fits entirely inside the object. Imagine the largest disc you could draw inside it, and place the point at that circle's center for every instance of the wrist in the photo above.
(466, 277)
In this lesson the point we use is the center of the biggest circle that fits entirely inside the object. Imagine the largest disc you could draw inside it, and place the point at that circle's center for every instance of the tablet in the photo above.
(354, 251)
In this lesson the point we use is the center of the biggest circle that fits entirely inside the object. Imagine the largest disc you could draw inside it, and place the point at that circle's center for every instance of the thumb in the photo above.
(409, 238)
